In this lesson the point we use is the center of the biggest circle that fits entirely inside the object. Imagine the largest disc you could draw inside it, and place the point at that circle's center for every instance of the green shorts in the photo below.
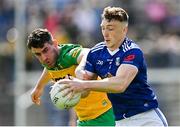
(106, 119)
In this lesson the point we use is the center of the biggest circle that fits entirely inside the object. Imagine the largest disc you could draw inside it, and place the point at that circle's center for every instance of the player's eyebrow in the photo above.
(110, 25)
(107, 25)
(44, 49)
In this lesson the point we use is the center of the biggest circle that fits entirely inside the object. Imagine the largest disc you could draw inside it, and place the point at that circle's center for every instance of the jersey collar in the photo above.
(113, 52)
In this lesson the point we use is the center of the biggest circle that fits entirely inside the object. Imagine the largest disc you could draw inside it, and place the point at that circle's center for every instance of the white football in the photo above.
(63, 102)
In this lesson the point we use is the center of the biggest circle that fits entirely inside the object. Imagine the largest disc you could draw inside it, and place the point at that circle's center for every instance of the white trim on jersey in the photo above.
(98, 47)
(126, 47)
(113, 52)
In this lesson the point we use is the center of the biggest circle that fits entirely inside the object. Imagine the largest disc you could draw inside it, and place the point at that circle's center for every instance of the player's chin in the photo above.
(108, 46)
(50, 65)
(108, 43)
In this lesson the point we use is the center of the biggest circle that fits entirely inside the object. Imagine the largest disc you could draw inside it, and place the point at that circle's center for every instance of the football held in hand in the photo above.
(61, 102)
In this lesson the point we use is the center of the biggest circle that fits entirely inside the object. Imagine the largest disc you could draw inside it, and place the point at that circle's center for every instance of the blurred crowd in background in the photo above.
(153, 24)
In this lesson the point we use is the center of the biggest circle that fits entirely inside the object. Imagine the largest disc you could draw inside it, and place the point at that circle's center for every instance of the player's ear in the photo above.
(55, 43)
(125, 29)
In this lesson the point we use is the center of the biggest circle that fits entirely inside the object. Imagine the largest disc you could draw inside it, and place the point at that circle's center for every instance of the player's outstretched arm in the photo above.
(80, 72)
(38, 89)
(115, 84)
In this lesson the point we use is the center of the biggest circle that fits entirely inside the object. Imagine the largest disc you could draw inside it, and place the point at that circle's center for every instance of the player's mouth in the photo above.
(107, 40)
(49, 64)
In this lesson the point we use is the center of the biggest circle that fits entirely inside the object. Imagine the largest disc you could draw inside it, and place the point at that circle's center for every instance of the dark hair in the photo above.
(115, 13)
(38, 37)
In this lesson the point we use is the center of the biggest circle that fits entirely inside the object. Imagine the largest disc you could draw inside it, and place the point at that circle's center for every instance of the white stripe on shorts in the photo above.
(152, 117)
(161, 116)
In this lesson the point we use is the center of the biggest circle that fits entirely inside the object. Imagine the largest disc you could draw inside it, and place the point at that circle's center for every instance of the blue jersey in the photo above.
(138, 97)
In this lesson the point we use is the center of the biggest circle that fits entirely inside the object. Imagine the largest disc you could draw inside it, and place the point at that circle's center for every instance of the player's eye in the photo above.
(45, 50)
(110, 29)
(37, 54)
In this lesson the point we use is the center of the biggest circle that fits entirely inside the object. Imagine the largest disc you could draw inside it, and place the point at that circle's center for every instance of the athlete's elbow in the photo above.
(123, 86)
(122, 90)
(119, 89)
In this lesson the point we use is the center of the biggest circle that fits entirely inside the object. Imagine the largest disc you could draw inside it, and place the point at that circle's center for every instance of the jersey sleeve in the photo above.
(89, 63)
(73, 54)
(134, 57)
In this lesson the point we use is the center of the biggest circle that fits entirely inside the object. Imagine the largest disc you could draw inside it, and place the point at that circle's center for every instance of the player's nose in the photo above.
(44, 57)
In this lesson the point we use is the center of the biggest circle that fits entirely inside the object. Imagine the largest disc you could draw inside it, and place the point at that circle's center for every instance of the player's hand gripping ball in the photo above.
(63, 102)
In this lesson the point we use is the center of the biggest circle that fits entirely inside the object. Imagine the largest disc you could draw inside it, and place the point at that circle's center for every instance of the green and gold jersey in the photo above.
(67, 56)
(66, 61)
(97, 102)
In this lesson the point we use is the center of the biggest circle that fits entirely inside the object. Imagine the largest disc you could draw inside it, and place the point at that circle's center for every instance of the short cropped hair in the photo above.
(115, 13)
(38, 37)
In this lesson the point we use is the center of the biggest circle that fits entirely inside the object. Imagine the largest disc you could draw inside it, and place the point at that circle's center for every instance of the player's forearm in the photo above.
(109, 85)
(41, 83)
(43, 80)
(80, 68)
(115, 84)
(82, 57)
(72, 118)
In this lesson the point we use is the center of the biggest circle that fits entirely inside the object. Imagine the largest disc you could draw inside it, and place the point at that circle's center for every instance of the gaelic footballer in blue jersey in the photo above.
(120, 63)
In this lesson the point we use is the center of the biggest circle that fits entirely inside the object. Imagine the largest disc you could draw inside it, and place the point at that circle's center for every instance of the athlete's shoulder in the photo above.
(98, 47)
(69, 46)
(129, 44)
